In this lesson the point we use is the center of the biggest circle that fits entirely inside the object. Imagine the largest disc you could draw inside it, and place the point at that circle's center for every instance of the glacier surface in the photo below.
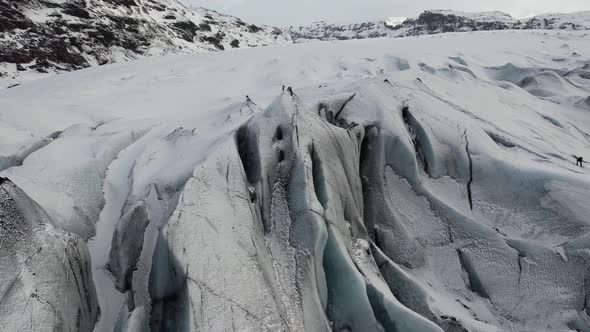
(418, 184)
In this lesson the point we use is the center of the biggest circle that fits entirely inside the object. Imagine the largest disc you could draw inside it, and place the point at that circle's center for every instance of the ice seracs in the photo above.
(45, 276)
(39, 38)
(418, 184)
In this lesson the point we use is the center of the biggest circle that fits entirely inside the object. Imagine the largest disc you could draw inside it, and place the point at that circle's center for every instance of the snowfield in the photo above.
(417, 184)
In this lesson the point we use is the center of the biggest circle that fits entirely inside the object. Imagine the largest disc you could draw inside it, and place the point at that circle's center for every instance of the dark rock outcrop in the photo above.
(53, 36)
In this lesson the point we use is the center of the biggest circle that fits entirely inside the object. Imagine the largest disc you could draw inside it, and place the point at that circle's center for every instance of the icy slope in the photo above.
(38, 38)
(45, 274)
(418, 184)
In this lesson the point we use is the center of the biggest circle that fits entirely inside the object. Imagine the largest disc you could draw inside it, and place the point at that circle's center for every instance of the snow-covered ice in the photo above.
(45, 274)
(417, 184)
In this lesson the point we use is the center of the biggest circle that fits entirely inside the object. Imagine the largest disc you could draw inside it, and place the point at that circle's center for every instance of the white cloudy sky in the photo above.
(293, 12)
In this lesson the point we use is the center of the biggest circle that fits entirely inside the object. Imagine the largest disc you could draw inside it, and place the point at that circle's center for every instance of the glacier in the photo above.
(416, 184)
(46, 276)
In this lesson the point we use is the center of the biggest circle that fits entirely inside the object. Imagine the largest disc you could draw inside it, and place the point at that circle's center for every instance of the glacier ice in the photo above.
(434, 193)
(46, 282)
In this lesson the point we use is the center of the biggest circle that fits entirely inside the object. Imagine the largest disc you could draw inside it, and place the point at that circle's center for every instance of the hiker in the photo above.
(290, 90)
(283, 88)
(248, 100)
(580, 161)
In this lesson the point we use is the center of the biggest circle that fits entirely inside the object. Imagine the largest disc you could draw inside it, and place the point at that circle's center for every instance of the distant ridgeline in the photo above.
(42, 37)
(47, 36)
(438, 21)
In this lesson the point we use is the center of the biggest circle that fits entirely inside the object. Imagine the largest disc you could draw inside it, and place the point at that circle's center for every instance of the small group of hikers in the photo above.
(289, 89)
(579, 160)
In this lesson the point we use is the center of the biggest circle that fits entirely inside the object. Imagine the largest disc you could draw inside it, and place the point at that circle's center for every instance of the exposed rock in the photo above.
(188, 29)
(254, 28)
(53, 36)
(205, 27)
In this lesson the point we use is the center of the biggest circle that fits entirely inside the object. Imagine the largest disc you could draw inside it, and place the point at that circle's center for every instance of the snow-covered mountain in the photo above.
(438, 21)
(411, 184)
(40, 37)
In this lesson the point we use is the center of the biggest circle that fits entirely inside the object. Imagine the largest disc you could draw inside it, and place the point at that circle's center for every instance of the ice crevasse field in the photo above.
(416, 184)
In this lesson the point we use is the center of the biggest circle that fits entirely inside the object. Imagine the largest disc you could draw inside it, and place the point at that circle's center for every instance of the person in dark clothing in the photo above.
(283, 87)
(580, 161)
(290, 90)
(248, 99)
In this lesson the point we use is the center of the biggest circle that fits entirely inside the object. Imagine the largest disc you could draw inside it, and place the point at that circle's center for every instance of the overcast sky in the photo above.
(294, 12)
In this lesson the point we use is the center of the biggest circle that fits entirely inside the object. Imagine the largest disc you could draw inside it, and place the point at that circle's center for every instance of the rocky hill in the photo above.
(438, 21)
(44, 37)
(401, 184)
(39, 37)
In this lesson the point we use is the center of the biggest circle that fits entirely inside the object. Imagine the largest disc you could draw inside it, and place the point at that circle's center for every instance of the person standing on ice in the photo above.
(580, 161)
